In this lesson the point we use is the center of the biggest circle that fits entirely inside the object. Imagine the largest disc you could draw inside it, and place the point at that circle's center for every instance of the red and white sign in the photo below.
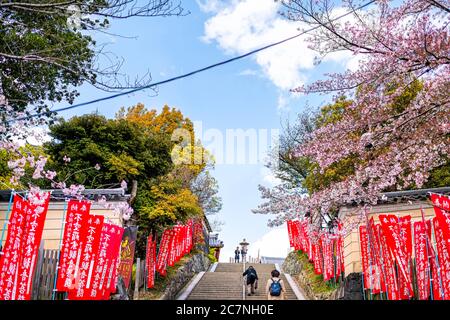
(391, 231)
(34, 226)
(102, 262)
(444, 257)
(112, 267)
(404, 224)
(438, 290)
(421, 257)
(317, 257)
(291, 237)
(150, 261)
(444, 223)
(328, 265)
(370, 270)
(375, 253)
(388, 267)
(161, 261)
(440, 201)
(77, 213)
(89, 253)
(10, 258)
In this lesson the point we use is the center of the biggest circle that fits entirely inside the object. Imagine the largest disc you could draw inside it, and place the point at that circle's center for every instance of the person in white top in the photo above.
(275, 288)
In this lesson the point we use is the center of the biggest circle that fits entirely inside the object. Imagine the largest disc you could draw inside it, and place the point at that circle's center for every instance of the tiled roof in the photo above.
(117, 194)
(411, 195)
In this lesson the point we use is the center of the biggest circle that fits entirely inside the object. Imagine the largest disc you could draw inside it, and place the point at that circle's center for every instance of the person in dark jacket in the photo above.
(236, 255)
(252, 280)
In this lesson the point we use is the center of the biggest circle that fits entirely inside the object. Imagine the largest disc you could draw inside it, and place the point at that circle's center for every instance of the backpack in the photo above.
(275, 288)
(251, 276)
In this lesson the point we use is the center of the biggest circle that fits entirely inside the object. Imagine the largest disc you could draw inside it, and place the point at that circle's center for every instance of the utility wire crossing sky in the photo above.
(189, 73)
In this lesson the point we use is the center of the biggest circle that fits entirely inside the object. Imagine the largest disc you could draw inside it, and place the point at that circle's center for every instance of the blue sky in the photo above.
(250, 93)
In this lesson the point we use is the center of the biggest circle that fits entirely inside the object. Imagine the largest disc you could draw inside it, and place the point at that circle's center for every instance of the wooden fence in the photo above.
(140, 281)
(45, 274)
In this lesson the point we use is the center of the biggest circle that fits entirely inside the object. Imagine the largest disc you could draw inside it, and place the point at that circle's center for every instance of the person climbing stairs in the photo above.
(226, 283)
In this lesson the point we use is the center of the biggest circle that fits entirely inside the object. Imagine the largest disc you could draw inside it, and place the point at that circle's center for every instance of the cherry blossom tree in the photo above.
(397, 142)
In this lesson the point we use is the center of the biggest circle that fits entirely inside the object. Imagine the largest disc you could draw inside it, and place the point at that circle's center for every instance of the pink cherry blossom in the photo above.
(400, 43)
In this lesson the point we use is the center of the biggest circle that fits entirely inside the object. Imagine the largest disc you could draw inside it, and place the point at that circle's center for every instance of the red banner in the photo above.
(295, 234)
(371, 281)
(77, 212)
(34, 226)
(89, 253)
(102, 262)
(391, 230)
(163, 253)
(198, 231)
(440, 201)
(305, 237)
(438, 291)
(421, 257)
(375, 254)
(172, 247)
(291, 237)
(444, 223)
(363, 241)
(10, 258)
(404, 224)
(317, 256)
(150, 262)
(338, 255)
(328, 265)
(112, 268)
(388, 267)
(340, 251)
(444, 258)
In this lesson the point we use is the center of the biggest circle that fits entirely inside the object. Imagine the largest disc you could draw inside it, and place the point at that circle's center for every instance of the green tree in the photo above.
(47, 49)
(117, 146)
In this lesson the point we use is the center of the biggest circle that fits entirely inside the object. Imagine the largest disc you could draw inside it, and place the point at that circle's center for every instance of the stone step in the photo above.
(226, 283)
(260, 293)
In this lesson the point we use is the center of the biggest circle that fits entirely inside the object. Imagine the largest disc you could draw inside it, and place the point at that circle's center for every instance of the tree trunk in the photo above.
(133, 192)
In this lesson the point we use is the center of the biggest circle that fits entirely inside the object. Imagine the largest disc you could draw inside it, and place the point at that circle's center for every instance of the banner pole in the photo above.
(11, 197)
(369, 241)
(433, 255)
(60, 245)
(362, 268)
(430, 275)
(441, 289)
(145, 264)
(382, 263)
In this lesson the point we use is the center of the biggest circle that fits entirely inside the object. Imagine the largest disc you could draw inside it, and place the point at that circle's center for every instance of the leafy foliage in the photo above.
(118, 146)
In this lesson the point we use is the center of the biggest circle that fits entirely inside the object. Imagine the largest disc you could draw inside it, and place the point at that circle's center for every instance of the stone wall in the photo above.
(351, 290)
(352, 287)
(195, 264)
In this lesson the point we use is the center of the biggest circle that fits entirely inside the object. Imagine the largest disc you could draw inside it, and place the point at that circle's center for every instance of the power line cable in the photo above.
(189, 73)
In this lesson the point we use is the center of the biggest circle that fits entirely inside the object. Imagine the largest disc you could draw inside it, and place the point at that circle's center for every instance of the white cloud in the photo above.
(35, 136)
(269, 177)
(239, 26)
(211, 5)
(275, 243)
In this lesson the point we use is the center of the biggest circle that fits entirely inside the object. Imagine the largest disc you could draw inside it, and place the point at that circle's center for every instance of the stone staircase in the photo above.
(226, 283)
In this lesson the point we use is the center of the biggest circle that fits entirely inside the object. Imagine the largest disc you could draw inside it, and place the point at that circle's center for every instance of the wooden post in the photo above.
(37, 274)
(136, 280)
